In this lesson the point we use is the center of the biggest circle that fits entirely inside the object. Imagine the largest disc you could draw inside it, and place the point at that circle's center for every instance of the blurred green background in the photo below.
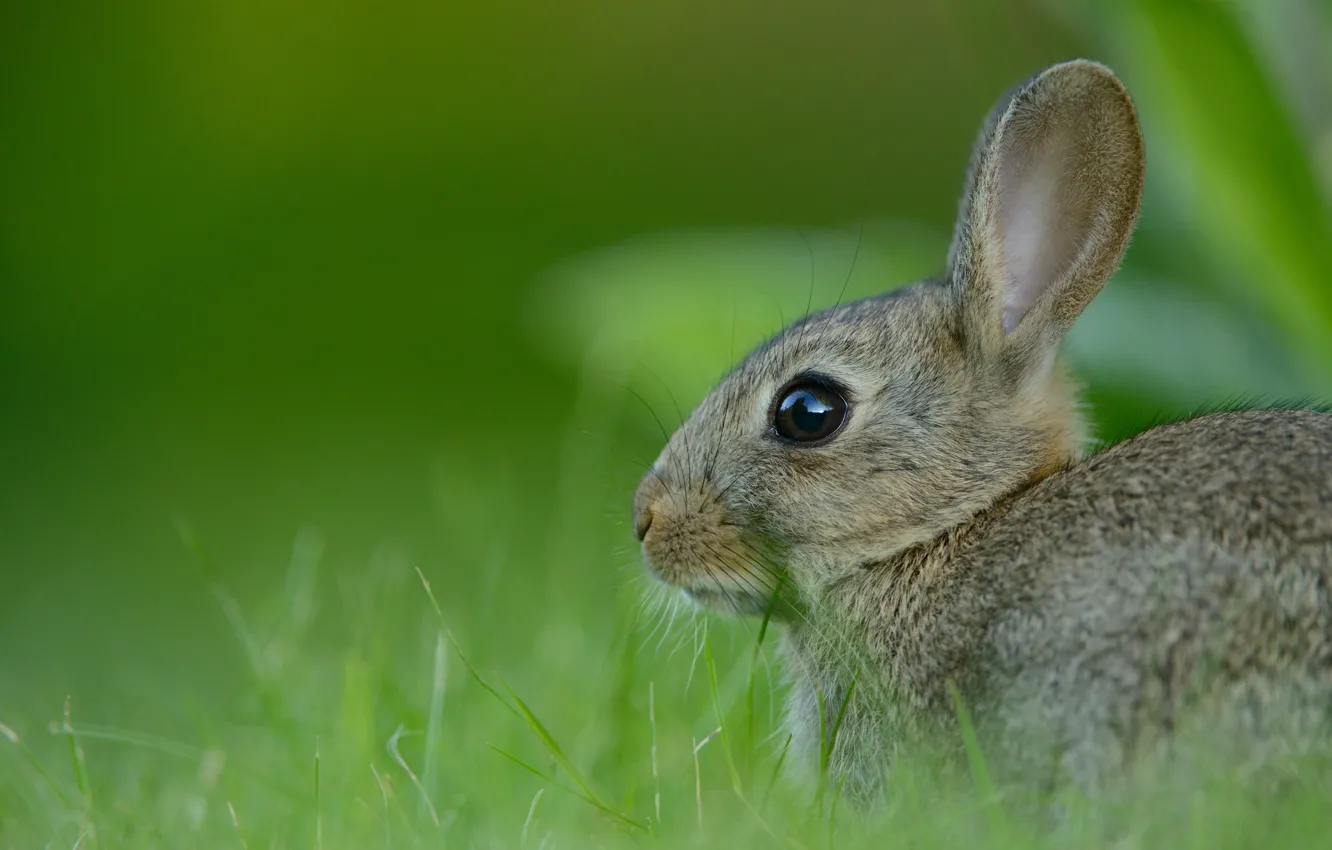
(381, 270)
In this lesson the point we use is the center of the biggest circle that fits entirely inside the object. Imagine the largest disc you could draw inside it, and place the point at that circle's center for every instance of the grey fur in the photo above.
(1089, 611)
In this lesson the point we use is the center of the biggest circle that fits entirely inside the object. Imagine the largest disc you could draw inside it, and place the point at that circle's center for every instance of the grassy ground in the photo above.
(374, 714)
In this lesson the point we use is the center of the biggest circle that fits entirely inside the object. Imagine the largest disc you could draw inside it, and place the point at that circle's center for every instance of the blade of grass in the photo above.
(35, 763)
(520, 710)
(545, 777)
(302, 582)
(711, 664)
(563, 760)
(832, 815)
(141, 739)
(698, 774)
(979, 770)
(618, 719)
(457, 648)
(142, 822)
(828, 741)
(80, 774)
(355, 742)
(837, 723)
(271, 698)
(435, 722)
(823, 738)
(394, 802)
(177, 749)
(754, 658)
(396, 754)
(383, 793)
(656, 775)
(776, 770)
(230, 607)
(555, 783)
(235, 822)
(76, 756)
(319, 806)
(788, 840)
(531, 816)
(720, 734)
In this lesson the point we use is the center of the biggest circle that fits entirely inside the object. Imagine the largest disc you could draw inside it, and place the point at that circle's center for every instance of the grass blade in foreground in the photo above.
(980, 772)
(521, 710)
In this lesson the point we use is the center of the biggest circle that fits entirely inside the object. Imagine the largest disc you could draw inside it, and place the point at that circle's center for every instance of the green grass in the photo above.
(401, 734)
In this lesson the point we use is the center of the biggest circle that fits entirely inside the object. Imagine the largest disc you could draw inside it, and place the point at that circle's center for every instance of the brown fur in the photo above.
(1088, 610)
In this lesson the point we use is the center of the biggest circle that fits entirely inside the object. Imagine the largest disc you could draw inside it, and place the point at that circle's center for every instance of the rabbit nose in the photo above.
(650, 491)
(642, 522)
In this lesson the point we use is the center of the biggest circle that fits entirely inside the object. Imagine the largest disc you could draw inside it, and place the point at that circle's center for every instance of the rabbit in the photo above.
(902, 485)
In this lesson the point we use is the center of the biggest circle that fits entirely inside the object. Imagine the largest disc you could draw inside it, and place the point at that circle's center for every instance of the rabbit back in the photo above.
(1179, 580)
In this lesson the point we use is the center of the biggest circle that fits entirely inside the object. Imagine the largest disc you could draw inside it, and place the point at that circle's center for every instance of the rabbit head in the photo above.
(876, 426)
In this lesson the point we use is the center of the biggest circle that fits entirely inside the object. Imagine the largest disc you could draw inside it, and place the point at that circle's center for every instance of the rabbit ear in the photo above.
(1052, 197)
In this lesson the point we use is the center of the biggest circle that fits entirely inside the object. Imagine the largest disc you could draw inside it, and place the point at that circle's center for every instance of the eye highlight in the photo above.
(808, 410)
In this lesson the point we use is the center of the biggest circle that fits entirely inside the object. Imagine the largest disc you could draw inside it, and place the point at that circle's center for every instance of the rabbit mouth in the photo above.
(719, 571)
(717, 582)
(712, 566)
(692, 542)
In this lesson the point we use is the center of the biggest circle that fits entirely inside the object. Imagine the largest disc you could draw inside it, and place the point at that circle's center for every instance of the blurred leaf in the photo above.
(668, 303)
(1226, 141)
(689, 305)
(1181, 348)
(1292, 37)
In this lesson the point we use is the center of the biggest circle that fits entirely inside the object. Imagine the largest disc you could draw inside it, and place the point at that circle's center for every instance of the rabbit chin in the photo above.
(725, 597)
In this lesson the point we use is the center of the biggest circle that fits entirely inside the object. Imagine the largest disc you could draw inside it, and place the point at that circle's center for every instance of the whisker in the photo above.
(674, 609)
(809, 300)
(684, 434)
(764, 532)
(716, 451)
(721, 589)
(665, 436)
(727, 401)
(860, 238)
(748, 580)
(855, 257)
(692, 613)
(659, 615)
(719, 495)
(762, 577)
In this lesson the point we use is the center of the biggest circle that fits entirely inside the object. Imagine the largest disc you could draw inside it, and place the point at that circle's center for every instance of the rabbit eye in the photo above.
(808, 411)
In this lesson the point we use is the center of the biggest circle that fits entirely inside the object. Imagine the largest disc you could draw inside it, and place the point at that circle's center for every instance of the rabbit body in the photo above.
(900, 483)
(1189, 568)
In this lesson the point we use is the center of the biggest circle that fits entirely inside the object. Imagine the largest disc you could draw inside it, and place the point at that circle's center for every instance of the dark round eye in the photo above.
(808, 411)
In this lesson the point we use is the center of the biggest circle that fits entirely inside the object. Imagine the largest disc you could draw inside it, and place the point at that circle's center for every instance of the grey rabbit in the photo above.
(901, 483)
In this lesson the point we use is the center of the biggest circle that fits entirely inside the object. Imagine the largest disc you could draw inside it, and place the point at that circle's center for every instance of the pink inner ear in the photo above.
(1038, 223)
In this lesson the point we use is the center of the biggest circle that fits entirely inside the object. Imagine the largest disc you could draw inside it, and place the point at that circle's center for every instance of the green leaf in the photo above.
(1181, 349)
(689, 305)
(1220, 131)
